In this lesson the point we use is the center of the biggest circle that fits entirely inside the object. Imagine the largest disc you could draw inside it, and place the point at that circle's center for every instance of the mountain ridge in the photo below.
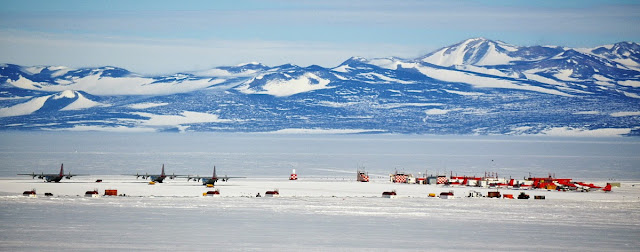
(477, 86)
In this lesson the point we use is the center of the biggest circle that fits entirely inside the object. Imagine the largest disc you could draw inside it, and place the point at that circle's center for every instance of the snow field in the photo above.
(312, 213)
(316, 187)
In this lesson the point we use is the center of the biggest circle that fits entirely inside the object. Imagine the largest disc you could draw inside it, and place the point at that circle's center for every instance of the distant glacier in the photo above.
(475, 87)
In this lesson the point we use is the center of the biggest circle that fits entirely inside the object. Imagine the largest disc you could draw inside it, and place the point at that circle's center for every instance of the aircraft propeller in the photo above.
(189, 178)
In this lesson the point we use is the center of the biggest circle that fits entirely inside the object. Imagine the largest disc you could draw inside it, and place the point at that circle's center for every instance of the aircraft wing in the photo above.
(196, 177)
(73, 175)
(39, 175)
(172, 176)
(199, 177)
(146, 175)
(226, 177)
(32, 174)
(49, 176)
(143, 175)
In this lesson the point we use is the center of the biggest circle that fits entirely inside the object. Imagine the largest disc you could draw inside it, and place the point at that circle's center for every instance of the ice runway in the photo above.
(311, 214)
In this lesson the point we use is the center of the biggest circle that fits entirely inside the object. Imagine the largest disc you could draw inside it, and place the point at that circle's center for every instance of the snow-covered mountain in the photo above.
(625, 53)
(67, 100)
(477, 51)
(477, 86)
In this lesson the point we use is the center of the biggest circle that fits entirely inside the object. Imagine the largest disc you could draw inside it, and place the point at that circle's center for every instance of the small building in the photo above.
(507, 196)
(472, 182)
(432, 180)
(111, 192)
(214, 193)
(401, 177)
(455, 180)
(92, 194)
(391, 194)
(31, 193)
(446, 195)
(552, 183)
(274, 194)
(523, 185)
(362, 176)
(495, 194)
(540, 197)
(492, 180)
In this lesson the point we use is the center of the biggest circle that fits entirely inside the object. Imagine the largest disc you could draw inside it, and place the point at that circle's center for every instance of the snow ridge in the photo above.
(477, 86)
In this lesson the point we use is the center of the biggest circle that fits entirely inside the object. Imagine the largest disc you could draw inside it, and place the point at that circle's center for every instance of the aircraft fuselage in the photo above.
(158, 179)
(209, 181)
(55, 179)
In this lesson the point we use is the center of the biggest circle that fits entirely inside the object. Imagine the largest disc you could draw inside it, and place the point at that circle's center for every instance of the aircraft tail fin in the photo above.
(61, 170)
(214, 171)
(162, 170)
(607, 188)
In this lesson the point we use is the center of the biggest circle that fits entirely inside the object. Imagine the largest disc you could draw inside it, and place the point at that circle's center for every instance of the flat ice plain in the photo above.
(326, 209)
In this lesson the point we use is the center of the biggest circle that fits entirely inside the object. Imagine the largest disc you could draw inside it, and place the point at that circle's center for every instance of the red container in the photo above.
(111, 192)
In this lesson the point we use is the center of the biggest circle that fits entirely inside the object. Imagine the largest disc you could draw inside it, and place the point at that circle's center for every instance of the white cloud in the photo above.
(191, 36)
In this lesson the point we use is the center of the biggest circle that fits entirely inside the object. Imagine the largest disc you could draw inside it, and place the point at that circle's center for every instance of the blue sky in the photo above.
(158, 37)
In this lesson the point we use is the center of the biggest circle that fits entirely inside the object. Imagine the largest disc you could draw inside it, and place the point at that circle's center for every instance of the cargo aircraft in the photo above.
(156, 178)
(52, 177)
(207, 180)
